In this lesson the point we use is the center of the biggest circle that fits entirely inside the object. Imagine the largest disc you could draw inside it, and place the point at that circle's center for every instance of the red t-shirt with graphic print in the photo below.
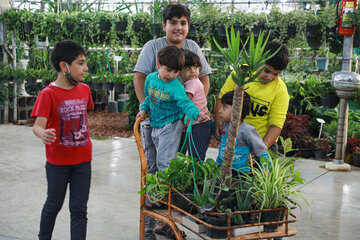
(66, 111)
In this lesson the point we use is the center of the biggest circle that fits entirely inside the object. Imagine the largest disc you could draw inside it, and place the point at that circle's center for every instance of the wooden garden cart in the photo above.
(174, 214)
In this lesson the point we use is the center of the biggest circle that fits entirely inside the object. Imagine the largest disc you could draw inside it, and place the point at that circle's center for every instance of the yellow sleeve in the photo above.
(228, 86)
(279, 106)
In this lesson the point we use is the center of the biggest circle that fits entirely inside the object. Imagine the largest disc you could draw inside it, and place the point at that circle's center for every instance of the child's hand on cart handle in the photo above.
(141, 114)
(203, 117)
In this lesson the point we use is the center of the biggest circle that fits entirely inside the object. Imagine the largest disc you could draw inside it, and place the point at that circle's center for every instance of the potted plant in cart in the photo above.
(275, 186)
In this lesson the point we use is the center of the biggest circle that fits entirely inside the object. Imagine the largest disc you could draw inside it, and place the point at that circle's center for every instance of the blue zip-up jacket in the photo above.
(247, 140)
(166, 102)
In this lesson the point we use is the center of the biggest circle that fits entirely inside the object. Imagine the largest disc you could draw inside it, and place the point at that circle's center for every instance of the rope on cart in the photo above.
(190, 139)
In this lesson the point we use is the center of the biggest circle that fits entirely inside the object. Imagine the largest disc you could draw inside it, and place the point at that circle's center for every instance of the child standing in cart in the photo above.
(201, 132)
(167, 102)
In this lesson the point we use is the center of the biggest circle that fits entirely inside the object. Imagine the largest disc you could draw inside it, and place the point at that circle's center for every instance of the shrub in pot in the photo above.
(275, 183)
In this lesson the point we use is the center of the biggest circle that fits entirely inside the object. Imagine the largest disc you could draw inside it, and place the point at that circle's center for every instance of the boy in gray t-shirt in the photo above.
(176, 20)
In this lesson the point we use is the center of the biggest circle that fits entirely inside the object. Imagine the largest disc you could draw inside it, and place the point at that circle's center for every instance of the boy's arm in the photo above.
(139, 83)
(47, 136)
(271, 135)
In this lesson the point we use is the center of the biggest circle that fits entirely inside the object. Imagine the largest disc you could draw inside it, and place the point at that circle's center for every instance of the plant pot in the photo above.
(194, 28)
(138, 26)
(108, 86)
(312, 31)
(121, 104)
(329, 101)
(28, 27)
(221, 31)
(306, 152)
(99, 106)
(356, 160)
(105, 26)
(31, 81)
(257, 29)
(120, 87)
(121, 26)
(46, 83)
(314, 42)
(322, 64)
(97, 86)
(181, 203)
(272, 216)
(320, 154)
(356, 41)
(216, 221)
(291, 31)
(112, 107)
(156, 29)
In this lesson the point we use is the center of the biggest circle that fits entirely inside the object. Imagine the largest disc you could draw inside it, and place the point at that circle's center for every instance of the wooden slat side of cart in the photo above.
(173, 214)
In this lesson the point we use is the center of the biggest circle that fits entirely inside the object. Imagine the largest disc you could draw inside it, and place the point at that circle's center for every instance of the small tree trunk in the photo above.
(231, 138)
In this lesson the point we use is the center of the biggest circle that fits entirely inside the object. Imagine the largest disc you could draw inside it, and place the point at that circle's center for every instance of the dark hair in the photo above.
(191, 58)
(227, 98)
(281, 59)
(176, 10)
(171, 57)
(66, 51)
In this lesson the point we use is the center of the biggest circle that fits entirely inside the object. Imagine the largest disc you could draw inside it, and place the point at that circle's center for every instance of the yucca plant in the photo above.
(247, 65)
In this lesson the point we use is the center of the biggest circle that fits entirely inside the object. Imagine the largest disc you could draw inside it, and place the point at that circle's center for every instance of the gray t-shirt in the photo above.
(146, 63)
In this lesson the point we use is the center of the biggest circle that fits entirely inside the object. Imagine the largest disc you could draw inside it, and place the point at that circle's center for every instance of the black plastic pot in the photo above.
(356, 160)
(31, 81)
(320, 154)
(272, 216)
(329, 101)
(314, 42)
(156, 29)
(112, 107)
(121, 26)
(356, 42)
(194, 28)
(291, 31)
(306, 152)
(221, 31)
(274, 33)
(105, 26)
(216, 221)
(312, 30)
(97, 86)
(138, 26)
(108, 86)
(120, 87)
(28, 27)
(181, 203)
(257, 29)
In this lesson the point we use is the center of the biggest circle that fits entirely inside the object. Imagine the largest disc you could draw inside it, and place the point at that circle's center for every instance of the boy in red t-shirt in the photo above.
(61, 123)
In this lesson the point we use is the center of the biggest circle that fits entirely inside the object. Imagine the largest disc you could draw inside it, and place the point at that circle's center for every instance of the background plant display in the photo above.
(115, 30)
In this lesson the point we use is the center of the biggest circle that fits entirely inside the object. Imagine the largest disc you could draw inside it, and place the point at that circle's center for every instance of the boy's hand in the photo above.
(203, 117)
(48, 136)
(141, 114)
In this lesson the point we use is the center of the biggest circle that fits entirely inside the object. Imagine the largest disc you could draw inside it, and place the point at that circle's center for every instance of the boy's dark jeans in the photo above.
(78, 176)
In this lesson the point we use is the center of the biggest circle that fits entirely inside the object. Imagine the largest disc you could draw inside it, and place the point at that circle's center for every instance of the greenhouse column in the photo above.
(4, 6)
(341, 137)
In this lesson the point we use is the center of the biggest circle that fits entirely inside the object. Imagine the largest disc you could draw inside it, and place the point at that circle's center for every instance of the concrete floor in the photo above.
(113, 208)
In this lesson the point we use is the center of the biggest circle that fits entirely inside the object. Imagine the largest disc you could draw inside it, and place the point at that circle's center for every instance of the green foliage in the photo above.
(276, 186)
